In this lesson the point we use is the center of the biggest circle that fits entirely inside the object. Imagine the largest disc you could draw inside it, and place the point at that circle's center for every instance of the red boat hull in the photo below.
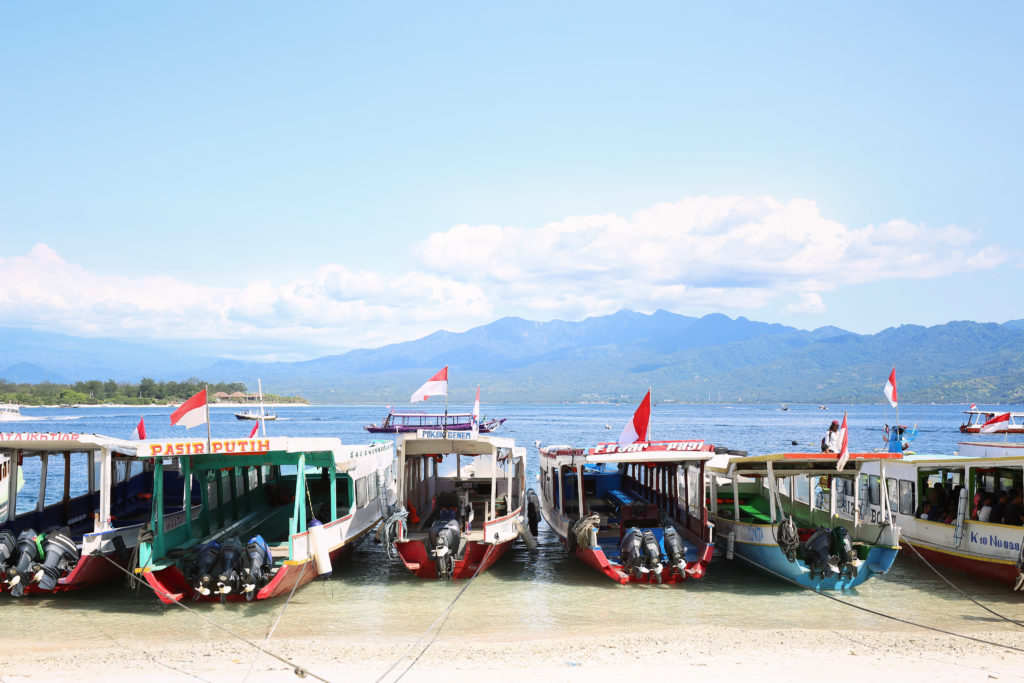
(477, 558)
(598, 560)
(1005, 573)
(89, 571)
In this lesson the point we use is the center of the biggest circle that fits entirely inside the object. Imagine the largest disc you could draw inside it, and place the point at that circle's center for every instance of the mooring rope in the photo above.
(957, 589)
(274, 626)
(442, 618)
(298, 670)
(882, 614)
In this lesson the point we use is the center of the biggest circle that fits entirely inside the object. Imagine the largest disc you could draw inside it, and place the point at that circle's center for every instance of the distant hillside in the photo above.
(607, 358)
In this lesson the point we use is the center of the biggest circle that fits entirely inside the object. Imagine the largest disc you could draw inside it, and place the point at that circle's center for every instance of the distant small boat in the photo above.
(822, 408)
(784, 406)
(255, 415)
(410, 422)
(10, 412)
(607, 426)
(976, 418)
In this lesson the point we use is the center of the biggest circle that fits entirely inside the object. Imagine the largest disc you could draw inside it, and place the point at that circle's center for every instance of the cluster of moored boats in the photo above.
(249, 519)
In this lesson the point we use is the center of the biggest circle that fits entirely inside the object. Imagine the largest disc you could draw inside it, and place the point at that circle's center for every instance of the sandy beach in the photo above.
(698, 653)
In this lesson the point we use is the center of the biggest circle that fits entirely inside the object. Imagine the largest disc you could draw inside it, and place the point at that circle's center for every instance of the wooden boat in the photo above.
(412, 421)
(974, 419)
(274, 514)
(82, 522)
(10, 412)
(255, 415)
(465, 495)
(938, 502)
(776, 513)
(635, 513)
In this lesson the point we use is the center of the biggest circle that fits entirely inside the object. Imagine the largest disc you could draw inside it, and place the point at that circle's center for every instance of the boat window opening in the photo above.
(54, 478)
(906, 497)
(874, 493)
(362, 497)
(802, 493)
(892, 487)
(996, 479)
(694, 490)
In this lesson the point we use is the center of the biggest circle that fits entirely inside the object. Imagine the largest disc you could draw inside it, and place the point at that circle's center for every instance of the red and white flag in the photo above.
(844, 448)
(974, 406)
(192, 412)
(636, 429)
(995, 424)
(435, 386)
(255, 428)
(140, 431)
(890, 388)
(475, 419)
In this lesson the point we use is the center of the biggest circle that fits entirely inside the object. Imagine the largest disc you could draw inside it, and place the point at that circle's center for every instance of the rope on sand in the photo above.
(298, 670)
(442, 618)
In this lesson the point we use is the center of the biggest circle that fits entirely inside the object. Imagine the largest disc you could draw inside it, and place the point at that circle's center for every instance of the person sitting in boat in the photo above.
(986, 507)
(932, 510)
(1014, 512)
(830, 442)
(998, 508)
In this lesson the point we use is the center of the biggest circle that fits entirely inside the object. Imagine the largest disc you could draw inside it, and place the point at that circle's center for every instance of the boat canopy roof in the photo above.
(795, 463)
(457, 442)
(318, 451)
(643, 452)
(974, 453)
(58, 442)
(993, 413)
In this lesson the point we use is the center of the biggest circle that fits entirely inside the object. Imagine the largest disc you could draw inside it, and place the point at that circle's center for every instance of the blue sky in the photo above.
(284, 181)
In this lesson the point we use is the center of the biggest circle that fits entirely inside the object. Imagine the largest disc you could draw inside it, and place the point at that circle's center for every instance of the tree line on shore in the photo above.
(146, 392)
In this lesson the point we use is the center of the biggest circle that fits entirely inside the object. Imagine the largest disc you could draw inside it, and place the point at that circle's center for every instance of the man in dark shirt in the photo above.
(1014, 511)
(998, 508)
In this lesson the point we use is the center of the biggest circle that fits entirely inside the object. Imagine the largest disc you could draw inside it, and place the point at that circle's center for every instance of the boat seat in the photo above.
(619, 498)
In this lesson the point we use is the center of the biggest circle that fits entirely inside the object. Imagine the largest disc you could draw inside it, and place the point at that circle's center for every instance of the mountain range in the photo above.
(607, 358)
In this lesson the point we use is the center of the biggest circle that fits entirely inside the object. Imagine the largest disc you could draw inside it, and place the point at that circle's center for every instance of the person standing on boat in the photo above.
(830, 442)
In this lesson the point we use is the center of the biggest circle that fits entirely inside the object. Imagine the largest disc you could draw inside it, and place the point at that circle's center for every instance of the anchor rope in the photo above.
(297, 669)
(883, 614)
(273, 627)
(442, 618)
(956, 588)
(148, 654)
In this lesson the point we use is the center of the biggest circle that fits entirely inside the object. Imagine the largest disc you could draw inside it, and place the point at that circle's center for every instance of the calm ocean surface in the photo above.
(540, 593)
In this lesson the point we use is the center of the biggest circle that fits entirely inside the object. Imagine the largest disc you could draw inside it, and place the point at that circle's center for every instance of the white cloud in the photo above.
(702, 254)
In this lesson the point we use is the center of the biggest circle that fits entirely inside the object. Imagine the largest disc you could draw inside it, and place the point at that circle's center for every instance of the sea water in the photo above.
(528, 594)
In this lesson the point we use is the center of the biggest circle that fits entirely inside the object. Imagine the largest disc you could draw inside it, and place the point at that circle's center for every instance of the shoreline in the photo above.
(706, 652)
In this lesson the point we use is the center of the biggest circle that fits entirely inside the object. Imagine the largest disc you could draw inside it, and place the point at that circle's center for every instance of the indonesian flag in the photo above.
(475, 419)
(435, 386)
(140, 431)
(995, 424)
(844, 449)
(255, 428)
(636, 429)
(890, 388)
(192, 412)
(973, 406)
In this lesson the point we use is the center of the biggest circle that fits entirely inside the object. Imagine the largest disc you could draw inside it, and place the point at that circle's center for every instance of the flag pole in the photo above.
(209, 437)
(650, 438)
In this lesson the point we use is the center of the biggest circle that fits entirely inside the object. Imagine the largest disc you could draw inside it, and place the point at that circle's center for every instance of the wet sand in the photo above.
(695, 653)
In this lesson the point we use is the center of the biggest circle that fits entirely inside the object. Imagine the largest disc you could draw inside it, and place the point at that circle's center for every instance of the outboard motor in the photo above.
(258, 566)
(60, 555)
(445, 536)
(202, 569)
(8, 548)
(27, 552)
(652, 553)
(844, 550)
(675, 549)
(631, 552)
(818, 551)
(229, 574)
